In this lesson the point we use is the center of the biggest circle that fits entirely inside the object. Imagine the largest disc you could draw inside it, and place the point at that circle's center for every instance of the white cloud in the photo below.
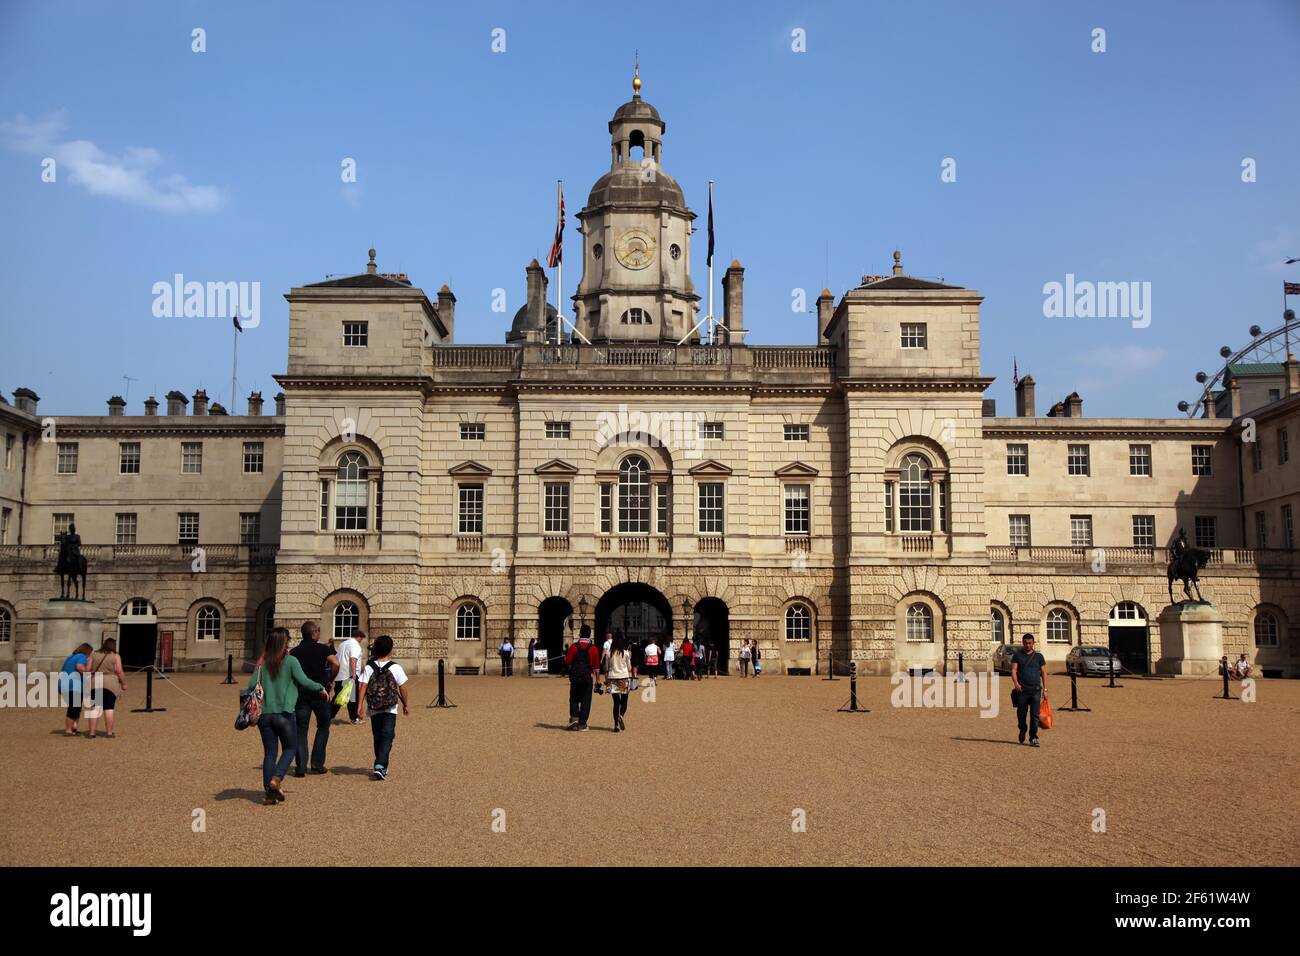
(132, 176)
(1126, 359)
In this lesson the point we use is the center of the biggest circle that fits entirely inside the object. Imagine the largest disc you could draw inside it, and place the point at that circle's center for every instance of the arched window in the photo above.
(469, 622)
(207, 624)
(914, 495)
(6, 625)
(920, 624)
(1266, 629)
(997, 626)
(798, 623)
(634, 496)
(1126, 611)
(1059, 626)
(636, 317)
(352, 493)
(347, 618)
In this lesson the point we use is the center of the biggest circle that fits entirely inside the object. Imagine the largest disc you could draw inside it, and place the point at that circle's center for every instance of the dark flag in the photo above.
(1291, 288)
(557, 247)
(708, 260)
(1015, 372)
(238, 327)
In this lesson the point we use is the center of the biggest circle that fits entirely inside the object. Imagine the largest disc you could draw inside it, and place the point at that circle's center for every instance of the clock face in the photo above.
(635, 249)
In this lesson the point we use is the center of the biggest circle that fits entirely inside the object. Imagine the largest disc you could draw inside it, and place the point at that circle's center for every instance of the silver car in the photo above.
(1002, 658)
(1095, 661)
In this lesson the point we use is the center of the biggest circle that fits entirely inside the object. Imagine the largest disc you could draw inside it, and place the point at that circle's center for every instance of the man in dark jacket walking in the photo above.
(1030, 680)
(583, 662)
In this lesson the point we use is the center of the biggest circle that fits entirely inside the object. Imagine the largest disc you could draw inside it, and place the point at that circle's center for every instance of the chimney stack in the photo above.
(116, 406)
(279, 404)
(1292, 374)
(447, 310)
(1211, 406)
(1234, 394)
(217, 409)
(200, 403)
(1073, 405)
(537, 283)
(898, 262)
(255, 404)
(151, 406)
(26, 400)
(733, 301)
(825, 312)
(1025, 397)
(176, 402)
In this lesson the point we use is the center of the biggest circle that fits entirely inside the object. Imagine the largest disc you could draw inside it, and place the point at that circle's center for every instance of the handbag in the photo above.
(97, 710)
(250, 704)
(1044, 714)
(344, 696)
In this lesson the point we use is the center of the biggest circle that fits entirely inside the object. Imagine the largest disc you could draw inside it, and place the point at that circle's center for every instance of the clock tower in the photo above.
(636, 230)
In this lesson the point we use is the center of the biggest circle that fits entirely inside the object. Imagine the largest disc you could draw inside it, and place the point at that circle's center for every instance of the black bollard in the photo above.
(148, 707)
(442, 685)
(230, 669)
(830, 668)
(853, 707)
(1226, 694)
(1074, 691)
(1112, 683)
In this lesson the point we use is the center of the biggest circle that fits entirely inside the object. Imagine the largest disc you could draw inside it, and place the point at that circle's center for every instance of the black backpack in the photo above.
(581, 666)
(381, 692)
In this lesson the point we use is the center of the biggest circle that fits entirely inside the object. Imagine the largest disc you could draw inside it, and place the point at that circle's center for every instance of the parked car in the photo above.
(1002, 658)
(1091, 660)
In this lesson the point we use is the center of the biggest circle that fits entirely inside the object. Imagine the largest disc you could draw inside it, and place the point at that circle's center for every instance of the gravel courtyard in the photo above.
(709, 773)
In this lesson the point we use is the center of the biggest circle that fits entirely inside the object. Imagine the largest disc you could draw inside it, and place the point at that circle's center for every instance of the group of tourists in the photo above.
(315, 679)
(83, 680)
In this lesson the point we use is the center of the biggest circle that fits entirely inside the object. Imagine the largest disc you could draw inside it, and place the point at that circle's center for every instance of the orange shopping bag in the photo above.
(1044, 714)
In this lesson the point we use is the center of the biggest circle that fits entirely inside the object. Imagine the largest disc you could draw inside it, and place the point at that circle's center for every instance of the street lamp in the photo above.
(582, 609)
(686, 618)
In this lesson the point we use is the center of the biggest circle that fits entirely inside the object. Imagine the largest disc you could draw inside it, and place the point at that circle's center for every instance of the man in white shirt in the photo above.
(348, 652)
(507, 652)
(670, 655)
(1243, 667)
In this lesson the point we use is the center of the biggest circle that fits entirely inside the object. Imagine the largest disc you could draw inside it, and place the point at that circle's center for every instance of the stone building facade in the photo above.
(856, 499)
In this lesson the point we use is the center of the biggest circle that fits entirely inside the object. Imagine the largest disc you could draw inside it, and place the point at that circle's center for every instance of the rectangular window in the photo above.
(1283, 446)
(889, 506)
(798, 509)
(5, 515)
(1207, 531)
(711, 431)
(250, 527)
(192, 458)
(1275, 394)
(254, 457)
(324, 504)
(1139, 461)
(470, 510)
(1288, 528)
(606, 507)
(68, 453)
(1077, 462)
(943, 506)
(126, 528)
(915, 508)
(129, 458)
(663, 501)
(9, 451)
(352, 504)
(1081, 531)
(559, 430)
(796, 432)
(356, 335)
(1018, 530)
(1203, 461)
(1261, 530)
(1144, 531)
(711, 511)
(187, 528)
(913, 335)
(473, 431)
(1259, 453)
(1017, 459)
(62, 522)
(555, 507)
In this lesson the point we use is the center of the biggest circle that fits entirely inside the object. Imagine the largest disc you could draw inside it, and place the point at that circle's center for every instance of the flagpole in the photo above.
(710, 263)
(234, 367)
(559, 280)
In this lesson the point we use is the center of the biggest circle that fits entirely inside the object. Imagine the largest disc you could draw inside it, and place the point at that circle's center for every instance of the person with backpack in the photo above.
(383, 687)
(583, 661)
(281, 676)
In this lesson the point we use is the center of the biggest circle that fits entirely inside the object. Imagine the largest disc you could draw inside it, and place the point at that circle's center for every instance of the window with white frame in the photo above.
(711, 518)
(920, 624)
(1266, 629)
(207, 624)
(1144, 531)
(192, 458)
(347, 618)
(352, 493)
(606, 507)
(559, 430)
(6, 514)
(663, 507)
(324, 504)
(1139, 461)
(913, 335)
(1018, 531)
(356, 335)
(469, 509)
(636, 317)
(187, 528)
(798, 623)
(634, 495)
(1081, 531)
(889, 506)
(1059, 627)
(125, 531)
(69, 451)
(555, 507)
(129, 458)
(6, 625)
(711, 431)
(1077, 460)
(915, 495)
(1288, 528)
(473, 431)
(796, 432)
(63, 521)
(1126, 611)
(9, 451)
(1202, 461)
(254, 457)
(1017, 459)
(1207, 531)
(798, 509)
(997, 626)
(469, 622)
(250, 527)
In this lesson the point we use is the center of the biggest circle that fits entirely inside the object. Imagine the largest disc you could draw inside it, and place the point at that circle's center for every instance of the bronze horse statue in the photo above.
(1184, 565)
(71, 566)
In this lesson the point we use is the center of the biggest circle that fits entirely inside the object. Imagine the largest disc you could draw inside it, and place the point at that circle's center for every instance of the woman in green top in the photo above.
(281, 676)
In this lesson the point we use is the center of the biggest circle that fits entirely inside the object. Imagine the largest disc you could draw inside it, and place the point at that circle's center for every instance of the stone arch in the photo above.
(912, 654)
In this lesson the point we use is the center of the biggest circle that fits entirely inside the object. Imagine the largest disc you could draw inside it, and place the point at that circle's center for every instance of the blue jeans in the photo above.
(309, 704)
(278, 730)
(1030, 699)
(383, 727)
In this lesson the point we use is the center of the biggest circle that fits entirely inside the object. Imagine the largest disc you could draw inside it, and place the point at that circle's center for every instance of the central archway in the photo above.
(639, 609)
(554, 626)
(712, 625)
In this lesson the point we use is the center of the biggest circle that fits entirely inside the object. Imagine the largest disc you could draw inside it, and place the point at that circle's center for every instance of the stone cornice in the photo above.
(333, 383)
(1102, 428)
(876, 384)
(162, 426)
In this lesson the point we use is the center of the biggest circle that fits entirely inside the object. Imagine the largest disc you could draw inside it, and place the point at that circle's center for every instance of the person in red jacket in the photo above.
(688, 657)
(583, 663)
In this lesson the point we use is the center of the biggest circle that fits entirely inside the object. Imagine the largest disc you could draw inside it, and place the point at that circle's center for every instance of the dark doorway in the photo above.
(640, 610)
(1129, 644)
(554, 630)
(138, 645)
(711, 626)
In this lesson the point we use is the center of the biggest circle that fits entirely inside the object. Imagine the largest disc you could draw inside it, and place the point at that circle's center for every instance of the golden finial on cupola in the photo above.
(636, 75)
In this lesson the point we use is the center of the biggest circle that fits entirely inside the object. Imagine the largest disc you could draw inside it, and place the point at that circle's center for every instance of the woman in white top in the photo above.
(618, 674)
(670, 656)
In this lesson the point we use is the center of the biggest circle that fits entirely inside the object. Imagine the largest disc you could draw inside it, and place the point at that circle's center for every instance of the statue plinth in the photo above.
(63, 625)
(1191, 639)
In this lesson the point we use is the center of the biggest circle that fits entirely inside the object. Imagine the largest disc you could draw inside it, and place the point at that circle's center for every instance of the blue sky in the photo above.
(225, 166)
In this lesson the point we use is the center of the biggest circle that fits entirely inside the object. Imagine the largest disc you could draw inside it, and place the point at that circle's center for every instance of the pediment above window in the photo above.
(710, 467)
(469, 469)
(796, 469)
(556, 467)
